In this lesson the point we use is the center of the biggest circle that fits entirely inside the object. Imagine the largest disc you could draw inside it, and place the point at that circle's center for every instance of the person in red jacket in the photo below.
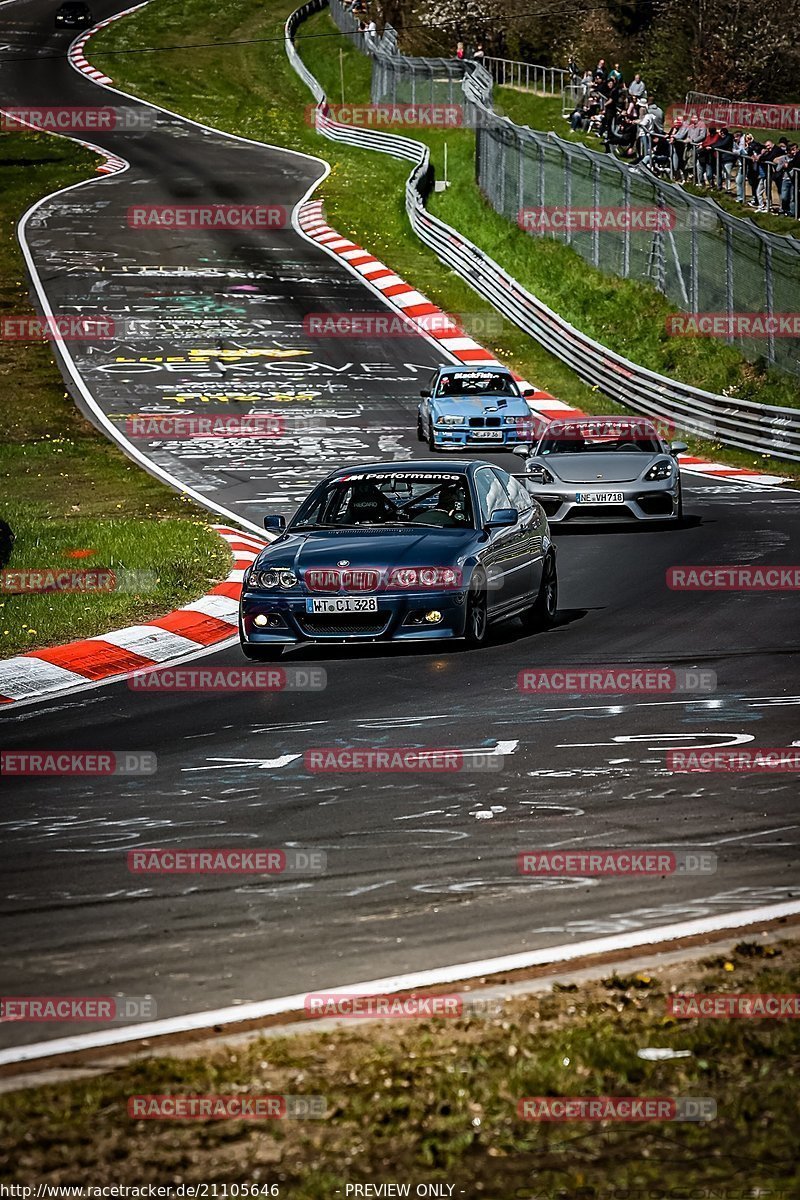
(706, 158)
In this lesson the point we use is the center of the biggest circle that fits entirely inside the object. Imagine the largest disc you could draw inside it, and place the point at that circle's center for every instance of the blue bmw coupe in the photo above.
(410, 551)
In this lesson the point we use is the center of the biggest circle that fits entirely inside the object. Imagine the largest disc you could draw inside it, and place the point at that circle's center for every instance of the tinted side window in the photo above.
(519, 496)
(491, 493)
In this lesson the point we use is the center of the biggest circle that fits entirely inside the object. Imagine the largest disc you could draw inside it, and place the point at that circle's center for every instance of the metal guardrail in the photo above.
(763, 428)
(508, 72)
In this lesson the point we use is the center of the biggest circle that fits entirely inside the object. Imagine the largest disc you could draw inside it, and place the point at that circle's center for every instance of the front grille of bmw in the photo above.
(485, 423)
(343, 623)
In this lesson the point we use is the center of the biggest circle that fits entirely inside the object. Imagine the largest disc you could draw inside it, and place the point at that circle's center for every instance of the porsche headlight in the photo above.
(660, 470)
(540, 475)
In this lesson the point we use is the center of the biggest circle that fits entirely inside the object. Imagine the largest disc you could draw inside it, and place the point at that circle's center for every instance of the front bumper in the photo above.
(641, 501)
(447, 437)
(400, 617)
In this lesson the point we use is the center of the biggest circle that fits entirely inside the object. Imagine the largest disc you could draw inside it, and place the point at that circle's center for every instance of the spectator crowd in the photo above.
(629, 120)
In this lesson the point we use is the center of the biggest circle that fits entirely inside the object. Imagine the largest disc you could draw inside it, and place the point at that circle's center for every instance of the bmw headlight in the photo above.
(449, 420)
(661, 470)
(273, 578)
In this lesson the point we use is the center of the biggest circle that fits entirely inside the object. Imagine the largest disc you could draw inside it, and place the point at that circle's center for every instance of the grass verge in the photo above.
(432, 1101)
(63, 487)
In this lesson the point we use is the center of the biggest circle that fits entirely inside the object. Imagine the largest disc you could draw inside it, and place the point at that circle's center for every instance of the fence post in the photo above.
(595, 205)
(768, 281)
(694, 279)
(626, 237)
(729, 277)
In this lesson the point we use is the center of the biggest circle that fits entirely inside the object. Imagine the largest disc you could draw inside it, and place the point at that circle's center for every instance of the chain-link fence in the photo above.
(623, 220)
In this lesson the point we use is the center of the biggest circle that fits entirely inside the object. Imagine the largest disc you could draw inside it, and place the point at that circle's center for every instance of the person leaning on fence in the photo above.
(678, 133)
(694, 140)
(790, 182)
(705, 157)
(651, 126)
(763, 160)
(460, 50)
(479, 54)
(587, 82)
(724, 160)
(744, 149)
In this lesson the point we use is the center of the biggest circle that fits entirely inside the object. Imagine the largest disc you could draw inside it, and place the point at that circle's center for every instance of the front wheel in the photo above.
(476, 623)
(542, 613)
(431, 440)
(679, 513)
(420, 430)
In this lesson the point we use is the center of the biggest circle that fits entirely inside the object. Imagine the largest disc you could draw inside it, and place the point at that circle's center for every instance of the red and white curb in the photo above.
(196, 626)
(419, 310)
(76, 57)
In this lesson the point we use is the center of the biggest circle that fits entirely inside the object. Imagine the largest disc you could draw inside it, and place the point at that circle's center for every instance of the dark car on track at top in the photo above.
(467, 406)
(74, 15)
(409, 551)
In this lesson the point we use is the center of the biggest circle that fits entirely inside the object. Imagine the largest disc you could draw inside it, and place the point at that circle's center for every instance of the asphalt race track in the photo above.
(421, 869)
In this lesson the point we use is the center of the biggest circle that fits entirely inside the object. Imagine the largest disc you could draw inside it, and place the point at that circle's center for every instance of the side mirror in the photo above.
(275, 523)
(522, 450)
(502, 517)
(529, 393)
(678, 447)
(425, 393)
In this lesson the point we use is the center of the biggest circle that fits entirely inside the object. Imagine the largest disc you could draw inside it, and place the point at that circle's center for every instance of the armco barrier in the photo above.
(763, 428)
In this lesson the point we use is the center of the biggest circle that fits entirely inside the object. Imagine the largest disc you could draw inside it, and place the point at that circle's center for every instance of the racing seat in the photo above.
(368, 504)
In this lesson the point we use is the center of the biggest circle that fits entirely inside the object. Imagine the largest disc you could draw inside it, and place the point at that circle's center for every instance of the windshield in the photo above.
(599, 438)
(477, 383)
(383, 500)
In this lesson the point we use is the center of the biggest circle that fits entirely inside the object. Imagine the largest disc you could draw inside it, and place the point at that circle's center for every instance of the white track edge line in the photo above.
(235, 1014)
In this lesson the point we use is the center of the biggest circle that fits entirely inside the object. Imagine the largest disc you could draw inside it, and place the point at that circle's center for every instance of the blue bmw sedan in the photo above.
(401, 552)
